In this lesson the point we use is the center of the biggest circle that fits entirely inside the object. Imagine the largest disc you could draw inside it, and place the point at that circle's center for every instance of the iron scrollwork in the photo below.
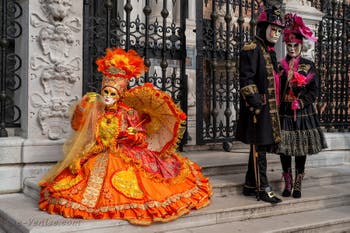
(10, 63)
(221, 32)
(333, 64)
(151, 30)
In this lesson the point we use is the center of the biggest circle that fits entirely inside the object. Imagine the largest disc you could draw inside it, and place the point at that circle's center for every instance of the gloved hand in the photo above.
(254, 103)
(75, 166)
(296, 89)
(132, 138)
(89, 97)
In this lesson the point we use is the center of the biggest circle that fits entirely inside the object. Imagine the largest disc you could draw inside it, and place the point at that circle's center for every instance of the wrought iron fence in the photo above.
(154, 35)
(155, 29)
(221, 32)
(333, 61)
(10, 63)
(157, 33)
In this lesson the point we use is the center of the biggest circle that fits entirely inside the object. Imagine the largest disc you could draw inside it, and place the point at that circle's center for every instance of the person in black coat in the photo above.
(299, 89)
(258, 68)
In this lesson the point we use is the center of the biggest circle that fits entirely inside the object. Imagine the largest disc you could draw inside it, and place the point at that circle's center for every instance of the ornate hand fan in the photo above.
(162, 119)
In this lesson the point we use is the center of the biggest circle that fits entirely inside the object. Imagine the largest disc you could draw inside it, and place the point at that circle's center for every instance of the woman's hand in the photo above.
(75, 166)
(89, 97)
(296, 89)
(132, 138)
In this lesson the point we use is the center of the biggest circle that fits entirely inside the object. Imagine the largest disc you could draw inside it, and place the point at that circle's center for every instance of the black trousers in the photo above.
(262, 164)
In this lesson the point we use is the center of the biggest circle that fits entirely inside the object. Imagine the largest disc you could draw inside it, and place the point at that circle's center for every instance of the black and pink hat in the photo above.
(270, 15)
(296, 30)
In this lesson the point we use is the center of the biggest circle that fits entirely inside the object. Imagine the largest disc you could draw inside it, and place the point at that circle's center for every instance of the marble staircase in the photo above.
(324, 206)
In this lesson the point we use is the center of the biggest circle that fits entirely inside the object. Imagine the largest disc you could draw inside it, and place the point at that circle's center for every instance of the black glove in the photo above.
(296, 90)
(254, 103)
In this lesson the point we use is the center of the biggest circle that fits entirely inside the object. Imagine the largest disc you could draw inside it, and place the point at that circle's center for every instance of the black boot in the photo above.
(268, 196)
(297, 185)
(249, 191)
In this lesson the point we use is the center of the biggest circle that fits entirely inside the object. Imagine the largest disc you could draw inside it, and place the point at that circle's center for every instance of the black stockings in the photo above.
(286, 162)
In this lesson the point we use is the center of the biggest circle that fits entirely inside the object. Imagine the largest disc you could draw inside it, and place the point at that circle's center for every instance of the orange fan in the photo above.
(162, 119)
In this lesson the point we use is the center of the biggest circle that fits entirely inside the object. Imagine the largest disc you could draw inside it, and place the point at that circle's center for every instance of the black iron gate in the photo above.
(155, 29)
(10, 63)
(221, 32)
(333, 61)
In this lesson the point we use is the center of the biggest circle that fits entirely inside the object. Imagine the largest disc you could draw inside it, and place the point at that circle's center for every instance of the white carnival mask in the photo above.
(294, 49)
(273, 33)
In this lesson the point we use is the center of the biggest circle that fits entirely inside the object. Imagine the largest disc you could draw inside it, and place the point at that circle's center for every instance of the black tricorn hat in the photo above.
(271, 15)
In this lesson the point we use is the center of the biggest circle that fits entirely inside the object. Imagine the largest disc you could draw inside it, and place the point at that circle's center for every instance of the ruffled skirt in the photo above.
(114, 186)
(301, 133)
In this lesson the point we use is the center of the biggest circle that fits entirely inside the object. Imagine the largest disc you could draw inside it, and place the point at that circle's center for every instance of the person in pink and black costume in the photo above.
(258, 122)
(299, 88)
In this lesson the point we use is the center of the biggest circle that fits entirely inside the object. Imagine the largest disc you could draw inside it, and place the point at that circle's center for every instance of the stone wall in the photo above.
(51, 51)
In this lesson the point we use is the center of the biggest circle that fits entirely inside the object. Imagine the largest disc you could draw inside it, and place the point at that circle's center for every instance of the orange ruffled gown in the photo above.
(122, 179)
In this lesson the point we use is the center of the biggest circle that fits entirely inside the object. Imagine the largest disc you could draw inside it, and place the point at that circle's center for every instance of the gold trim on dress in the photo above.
(126, 182)
(109, 127)
(95, 182)
(75, 205)
(67, 182)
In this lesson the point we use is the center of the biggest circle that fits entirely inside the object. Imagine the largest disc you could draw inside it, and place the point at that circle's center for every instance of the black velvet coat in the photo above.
(258, 88)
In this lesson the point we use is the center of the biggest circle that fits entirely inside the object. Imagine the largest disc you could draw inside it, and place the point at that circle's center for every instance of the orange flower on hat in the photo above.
(120, 63)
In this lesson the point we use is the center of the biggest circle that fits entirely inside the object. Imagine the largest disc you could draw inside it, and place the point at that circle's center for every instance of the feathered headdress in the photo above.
(296, 30)
(119, 66)
(119, 63)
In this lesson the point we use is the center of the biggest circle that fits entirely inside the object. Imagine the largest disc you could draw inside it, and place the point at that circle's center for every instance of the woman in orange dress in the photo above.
(109, 170)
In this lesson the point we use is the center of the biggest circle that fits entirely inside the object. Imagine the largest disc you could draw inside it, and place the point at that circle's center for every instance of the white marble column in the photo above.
(157, 7)
(50, 49)
(52, 70)
(137, 9)
(191, 71)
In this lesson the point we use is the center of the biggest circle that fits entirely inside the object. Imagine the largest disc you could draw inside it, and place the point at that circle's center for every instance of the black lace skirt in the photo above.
(301, 132)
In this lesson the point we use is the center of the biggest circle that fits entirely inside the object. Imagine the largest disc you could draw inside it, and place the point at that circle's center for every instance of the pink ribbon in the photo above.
(277, 87)
(295, 106)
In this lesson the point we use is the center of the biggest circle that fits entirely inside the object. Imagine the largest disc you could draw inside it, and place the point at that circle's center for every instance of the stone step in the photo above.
(19, 213)
(235, 161)
(227, 170)
(17, 164)
(232, 184)
(333, 220)
(214, 163)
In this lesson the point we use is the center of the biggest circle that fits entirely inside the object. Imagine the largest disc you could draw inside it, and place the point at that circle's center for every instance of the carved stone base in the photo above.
(20, 159)
(41, 151)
